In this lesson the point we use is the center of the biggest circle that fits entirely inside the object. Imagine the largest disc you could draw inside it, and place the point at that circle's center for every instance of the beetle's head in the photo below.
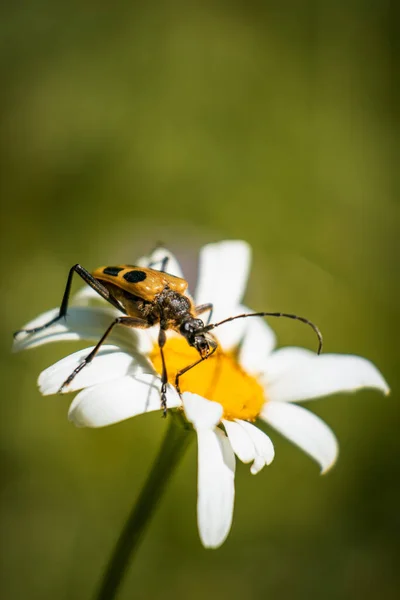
(192, 331)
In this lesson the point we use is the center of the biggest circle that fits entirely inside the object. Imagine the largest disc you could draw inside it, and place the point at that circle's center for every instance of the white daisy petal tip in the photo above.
(295, 374)
(258, 464)
(18, 342)
(305, 429)
(263, 446)
(223, 273)
(368, 374)
(329, 465)
(384, 386)
(48, 387)
(24, 339)
(250, 444)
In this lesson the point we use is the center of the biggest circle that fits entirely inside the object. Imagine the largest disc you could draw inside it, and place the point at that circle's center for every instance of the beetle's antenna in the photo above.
(269, 314)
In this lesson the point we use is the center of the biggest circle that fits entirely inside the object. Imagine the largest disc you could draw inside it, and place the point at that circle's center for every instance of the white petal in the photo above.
(282, 360)
(86, 295)
(216, 489)
(155, 261)
(230, 335)
(202, 413)
(294, 375)
(240, 440)
(258, 343)
(263, 446)
(223, 273)
(305, 429)
(118, 400)
(250, 444)
(81, 323)
(108, 364)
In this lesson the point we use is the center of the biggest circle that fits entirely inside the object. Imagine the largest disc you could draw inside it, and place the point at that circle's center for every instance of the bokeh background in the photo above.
(127, 123)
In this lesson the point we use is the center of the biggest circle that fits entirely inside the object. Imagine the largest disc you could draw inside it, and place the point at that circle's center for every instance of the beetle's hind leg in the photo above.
(92, 282)
(127, 322)
(163, 262)
(202, 308)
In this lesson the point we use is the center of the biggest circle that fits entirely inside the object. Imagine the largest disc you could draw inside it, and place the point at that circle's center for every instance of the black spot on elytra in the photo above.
(135, 276)
(112, 271)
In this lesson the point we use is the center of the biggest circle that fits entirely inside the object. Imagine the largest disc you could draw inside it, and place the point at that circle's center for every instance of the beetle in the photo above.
(148, 297)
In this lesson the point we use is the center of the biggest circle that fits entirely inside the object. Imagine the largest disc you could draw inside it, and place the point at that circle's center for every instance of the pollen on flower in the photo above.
(219, 378)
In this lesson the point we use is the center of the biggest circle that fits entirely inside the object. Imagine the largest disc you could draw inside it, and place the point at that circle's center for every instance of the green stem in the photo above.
(173, 446)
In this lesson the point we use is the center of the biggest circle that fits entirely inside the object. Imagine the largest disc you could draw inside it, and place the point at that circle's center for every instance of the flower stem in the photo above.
(175, 442)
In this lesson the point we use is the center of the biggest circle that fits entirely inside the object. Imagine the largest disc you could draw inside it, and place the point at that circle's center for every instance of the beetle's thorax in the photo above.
(173, 307)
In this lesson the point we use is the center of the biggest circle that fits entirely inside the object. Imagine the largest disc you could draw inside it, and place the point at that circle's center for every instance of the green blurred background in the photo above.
(127, 123)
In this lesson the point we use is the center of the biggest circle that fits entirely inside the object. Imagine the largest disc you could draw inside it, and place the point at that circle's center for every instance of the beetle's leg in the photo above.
(126, 321)
(90, 280)
(202, 308)
(163, 261)
(162, 338)
(214, 345)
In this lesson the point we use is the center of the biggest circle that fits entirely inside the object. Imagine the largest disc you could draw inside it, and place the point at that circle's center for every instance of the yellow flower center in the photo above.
(219, 378)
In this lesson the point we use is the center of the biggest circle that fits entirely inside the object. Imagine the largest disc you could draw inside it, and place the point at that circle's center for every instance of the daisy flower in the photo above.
(245, 381)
